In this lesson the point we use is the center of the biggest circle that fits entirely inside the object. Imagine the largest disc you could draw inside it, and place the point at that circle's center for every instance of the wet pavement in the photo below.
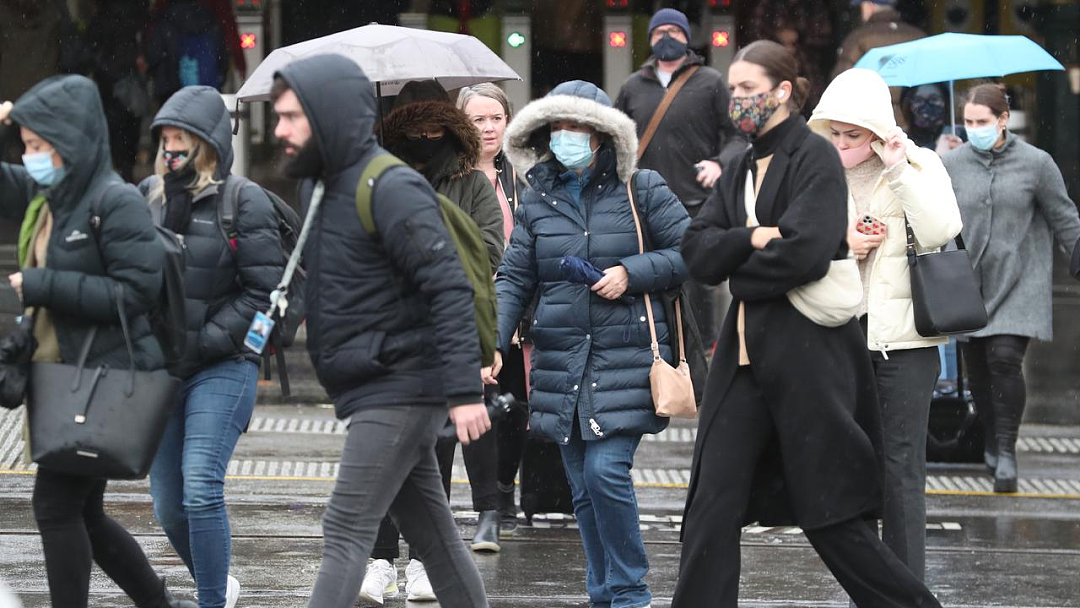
(984, 550)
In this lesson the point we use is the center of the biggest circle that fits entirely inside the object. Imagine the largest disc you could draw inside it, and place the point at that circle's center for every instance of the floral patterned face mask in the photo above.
(752, 112)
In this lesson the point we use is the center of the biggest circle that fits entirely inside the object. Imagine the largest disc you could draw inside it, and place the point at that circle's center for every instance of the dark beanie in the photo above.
(421, 90)
(670, 16)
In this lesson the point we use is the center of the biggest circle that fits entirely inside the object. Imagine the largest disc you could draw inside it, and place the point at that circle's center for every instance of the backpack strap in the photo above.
(229, 205)
(364, 190)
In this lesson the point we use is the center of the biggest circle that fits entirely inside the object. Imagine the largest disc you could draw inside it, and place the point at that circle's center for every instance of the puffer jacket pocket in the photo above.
(352, 363)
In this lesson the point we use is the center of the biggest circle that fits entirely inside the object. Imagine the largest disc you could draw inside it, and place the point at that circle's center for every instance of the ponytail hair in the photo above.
(779, 65)
(991, 95)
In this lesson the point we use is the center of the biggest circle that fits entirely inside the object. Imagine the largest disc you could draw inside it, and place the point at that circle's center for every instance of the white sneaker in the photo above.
(232, 592)
(380, 581)
(417, 585)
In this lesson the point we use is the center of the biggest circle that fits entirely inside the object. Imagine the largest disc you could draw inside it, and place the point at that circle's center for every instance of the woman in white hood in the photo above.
(892, 182)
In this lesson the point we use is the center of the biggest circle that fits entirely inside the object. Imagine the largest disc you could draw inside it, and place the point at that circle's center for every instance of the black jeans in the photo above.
(388, 466)
(905, 383)
(995, 367)
(709, 573)
(75, 531)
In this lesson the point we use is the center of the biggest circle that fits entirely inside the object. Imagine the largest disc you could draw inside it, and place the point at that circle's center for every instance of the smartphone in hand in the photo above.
(870, 225)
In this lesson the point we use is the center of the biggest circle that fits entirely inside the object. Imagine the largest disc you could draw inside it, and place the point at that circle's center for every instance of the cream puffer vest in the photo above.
(921, 191)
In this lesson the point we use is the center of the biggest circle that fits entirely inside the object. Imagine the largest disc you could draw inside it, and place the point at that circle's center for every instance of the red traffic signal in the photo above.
(721, 38)
(248, 40)
(617, 39)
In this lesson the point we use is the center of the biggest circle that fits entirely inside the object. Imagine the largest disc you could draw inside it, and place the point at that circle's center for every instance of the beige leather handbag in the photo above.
(672, 388)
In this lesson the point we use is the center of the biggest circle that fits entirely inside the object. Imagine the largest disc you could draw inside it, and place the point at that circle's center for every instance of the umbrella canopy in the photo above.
(391, 56)
(952, 56)
(949, 57)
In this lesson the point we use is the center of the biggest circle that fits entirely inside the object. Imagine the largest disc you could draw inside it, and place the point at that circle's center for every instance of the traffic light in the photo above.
(721, 38)
(248, 40)
(515, 39)
(617, 39)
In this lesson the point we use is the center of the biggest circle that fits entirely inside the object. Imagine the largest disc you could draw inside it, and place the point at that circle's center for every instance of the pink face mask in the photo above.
(853, 157)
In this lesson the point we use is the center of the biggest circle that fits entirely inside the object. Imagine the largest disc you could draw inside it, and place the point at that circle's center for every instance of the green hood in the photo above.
(66, 112)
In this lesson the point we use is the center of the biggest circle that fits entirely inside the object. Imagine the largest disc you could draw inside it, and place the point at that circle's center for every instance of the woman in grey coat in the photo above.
(1014, 204)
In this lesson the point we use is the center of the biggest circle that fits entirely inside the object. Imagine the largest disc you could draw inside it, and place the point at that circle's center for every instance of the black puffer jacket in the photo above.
(390, 318)
(223, 287)
(85, 263)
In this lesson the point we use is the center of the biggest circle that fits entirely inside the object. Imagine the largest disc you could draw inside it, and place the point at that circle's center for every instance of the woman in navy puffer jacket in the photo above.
(590, 367)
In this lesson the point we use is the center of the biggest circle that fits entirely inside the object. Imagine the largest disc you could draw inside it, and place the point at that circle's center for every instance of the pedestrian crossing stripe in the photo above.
(680, 434)
(11, 463)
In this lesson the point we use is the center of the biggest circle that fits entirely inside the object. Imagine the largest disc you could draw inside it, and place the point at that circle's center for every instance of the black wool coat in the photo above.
(824, 464)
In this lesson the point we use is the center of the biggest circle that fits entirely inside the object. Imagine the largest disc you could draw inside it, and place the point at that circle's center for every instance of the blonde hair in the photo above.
(485, 89)
(203, 158)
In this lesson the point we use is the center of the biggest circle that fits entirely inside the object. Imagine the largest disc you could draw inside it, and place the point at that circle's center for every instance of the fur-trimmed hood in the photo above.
(443, 113)
(527, 137)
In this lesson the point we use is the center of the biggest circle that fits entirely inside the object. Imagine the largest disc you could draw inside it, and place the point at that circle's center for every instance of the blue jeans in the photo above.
(187, 479)
(607, 515)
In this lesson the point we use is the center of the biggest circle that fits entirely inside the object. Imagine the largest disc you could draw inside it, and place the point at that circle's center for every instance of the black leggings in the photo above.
(75, 530)
(995, 366)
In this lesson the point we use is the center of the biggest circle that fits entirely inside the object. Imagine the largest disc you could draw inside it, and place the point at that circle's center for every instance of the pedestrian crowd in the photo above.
(600, 231)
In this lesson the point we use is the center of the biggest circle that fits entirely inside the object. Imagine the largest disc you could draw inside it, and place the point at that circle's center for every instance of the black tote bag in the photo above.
(98, 422)
(946, 298)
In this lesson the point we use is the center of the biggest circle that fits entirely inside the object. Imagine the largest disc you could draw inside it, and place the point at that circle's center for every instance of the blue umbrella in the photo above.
(950, 57)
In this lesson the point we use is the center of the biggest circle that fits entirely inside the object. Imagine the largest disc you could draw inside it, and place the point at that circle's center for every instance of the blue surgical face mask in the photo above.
(41, 169)
(572, 148)
(984, 138)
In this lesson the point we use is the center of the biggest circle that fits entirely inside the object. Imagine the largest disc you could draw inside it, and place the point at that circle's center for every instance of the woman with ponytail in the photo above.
(789, 431)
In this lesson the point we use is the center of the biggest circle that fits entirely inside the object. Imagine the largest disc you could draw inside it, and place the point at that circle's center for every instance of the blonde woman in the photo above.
(228, 277)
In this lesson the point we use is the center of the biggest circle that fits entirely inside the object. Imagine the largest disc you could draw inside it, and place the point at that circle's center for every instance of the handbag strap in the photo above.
(655, 345)
(658, 115)
(127, 338)
(911, 255)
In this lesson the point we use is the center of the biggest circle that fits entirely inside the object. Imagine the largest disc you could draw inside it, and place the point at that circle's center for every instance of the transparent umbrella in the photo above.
(390, 57)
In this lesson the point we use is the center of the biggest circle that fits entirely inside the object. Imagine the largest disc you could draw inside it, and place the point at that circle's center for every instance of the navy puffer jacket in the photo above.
(592, 356)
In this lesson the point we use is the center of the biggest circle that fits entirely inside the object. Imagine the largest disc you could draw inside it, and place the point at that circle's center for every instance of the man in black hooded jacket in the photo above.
(391, 334)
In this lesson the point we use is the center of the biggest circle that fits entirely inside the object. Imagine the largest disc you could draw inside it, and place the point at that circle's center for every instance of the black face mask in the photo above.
(306, 163)
(669, 49)
(423, 150)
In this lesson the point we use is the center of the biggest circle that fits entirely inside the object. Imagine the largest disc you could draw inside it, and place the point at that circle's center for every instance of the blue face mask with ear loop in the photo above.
(984, 138)
(572, 148)
(41, 169)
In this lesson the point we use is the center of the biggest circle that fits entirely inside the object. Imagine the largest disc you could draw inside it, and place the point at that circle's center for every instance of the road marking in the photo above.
(685, 435)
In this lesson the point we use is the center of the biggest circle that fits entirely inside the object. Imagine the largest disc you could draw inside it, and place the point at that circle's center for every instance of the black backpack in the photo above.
(289, 225)
(168, 319)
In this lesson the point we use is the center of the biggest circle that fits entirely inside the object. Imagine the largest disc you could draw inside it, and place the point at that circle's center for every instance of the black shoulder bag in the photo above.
(98, 422)
(946, 298)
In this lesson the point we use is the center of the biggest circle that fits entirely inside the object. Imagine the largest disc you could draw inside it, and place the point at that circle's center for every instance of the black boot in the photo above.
(507, 511)
(487, 532)
(168, 601)
(990, 451)
(1005, 475)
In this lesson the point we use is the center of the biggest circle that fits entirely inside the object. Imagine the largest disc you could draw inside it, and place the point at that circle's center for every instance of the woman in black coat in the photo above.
(84, 232)
(789, 428)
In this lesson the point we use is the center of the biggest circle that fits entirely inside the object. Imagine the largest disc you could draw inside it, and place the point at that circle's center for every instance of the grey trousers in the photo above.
(905, 383)
(388, 465)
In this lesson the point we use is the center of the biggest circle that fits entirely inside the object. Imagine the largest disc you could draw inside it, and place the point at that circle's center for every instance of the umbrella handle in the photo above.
(952, 108)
